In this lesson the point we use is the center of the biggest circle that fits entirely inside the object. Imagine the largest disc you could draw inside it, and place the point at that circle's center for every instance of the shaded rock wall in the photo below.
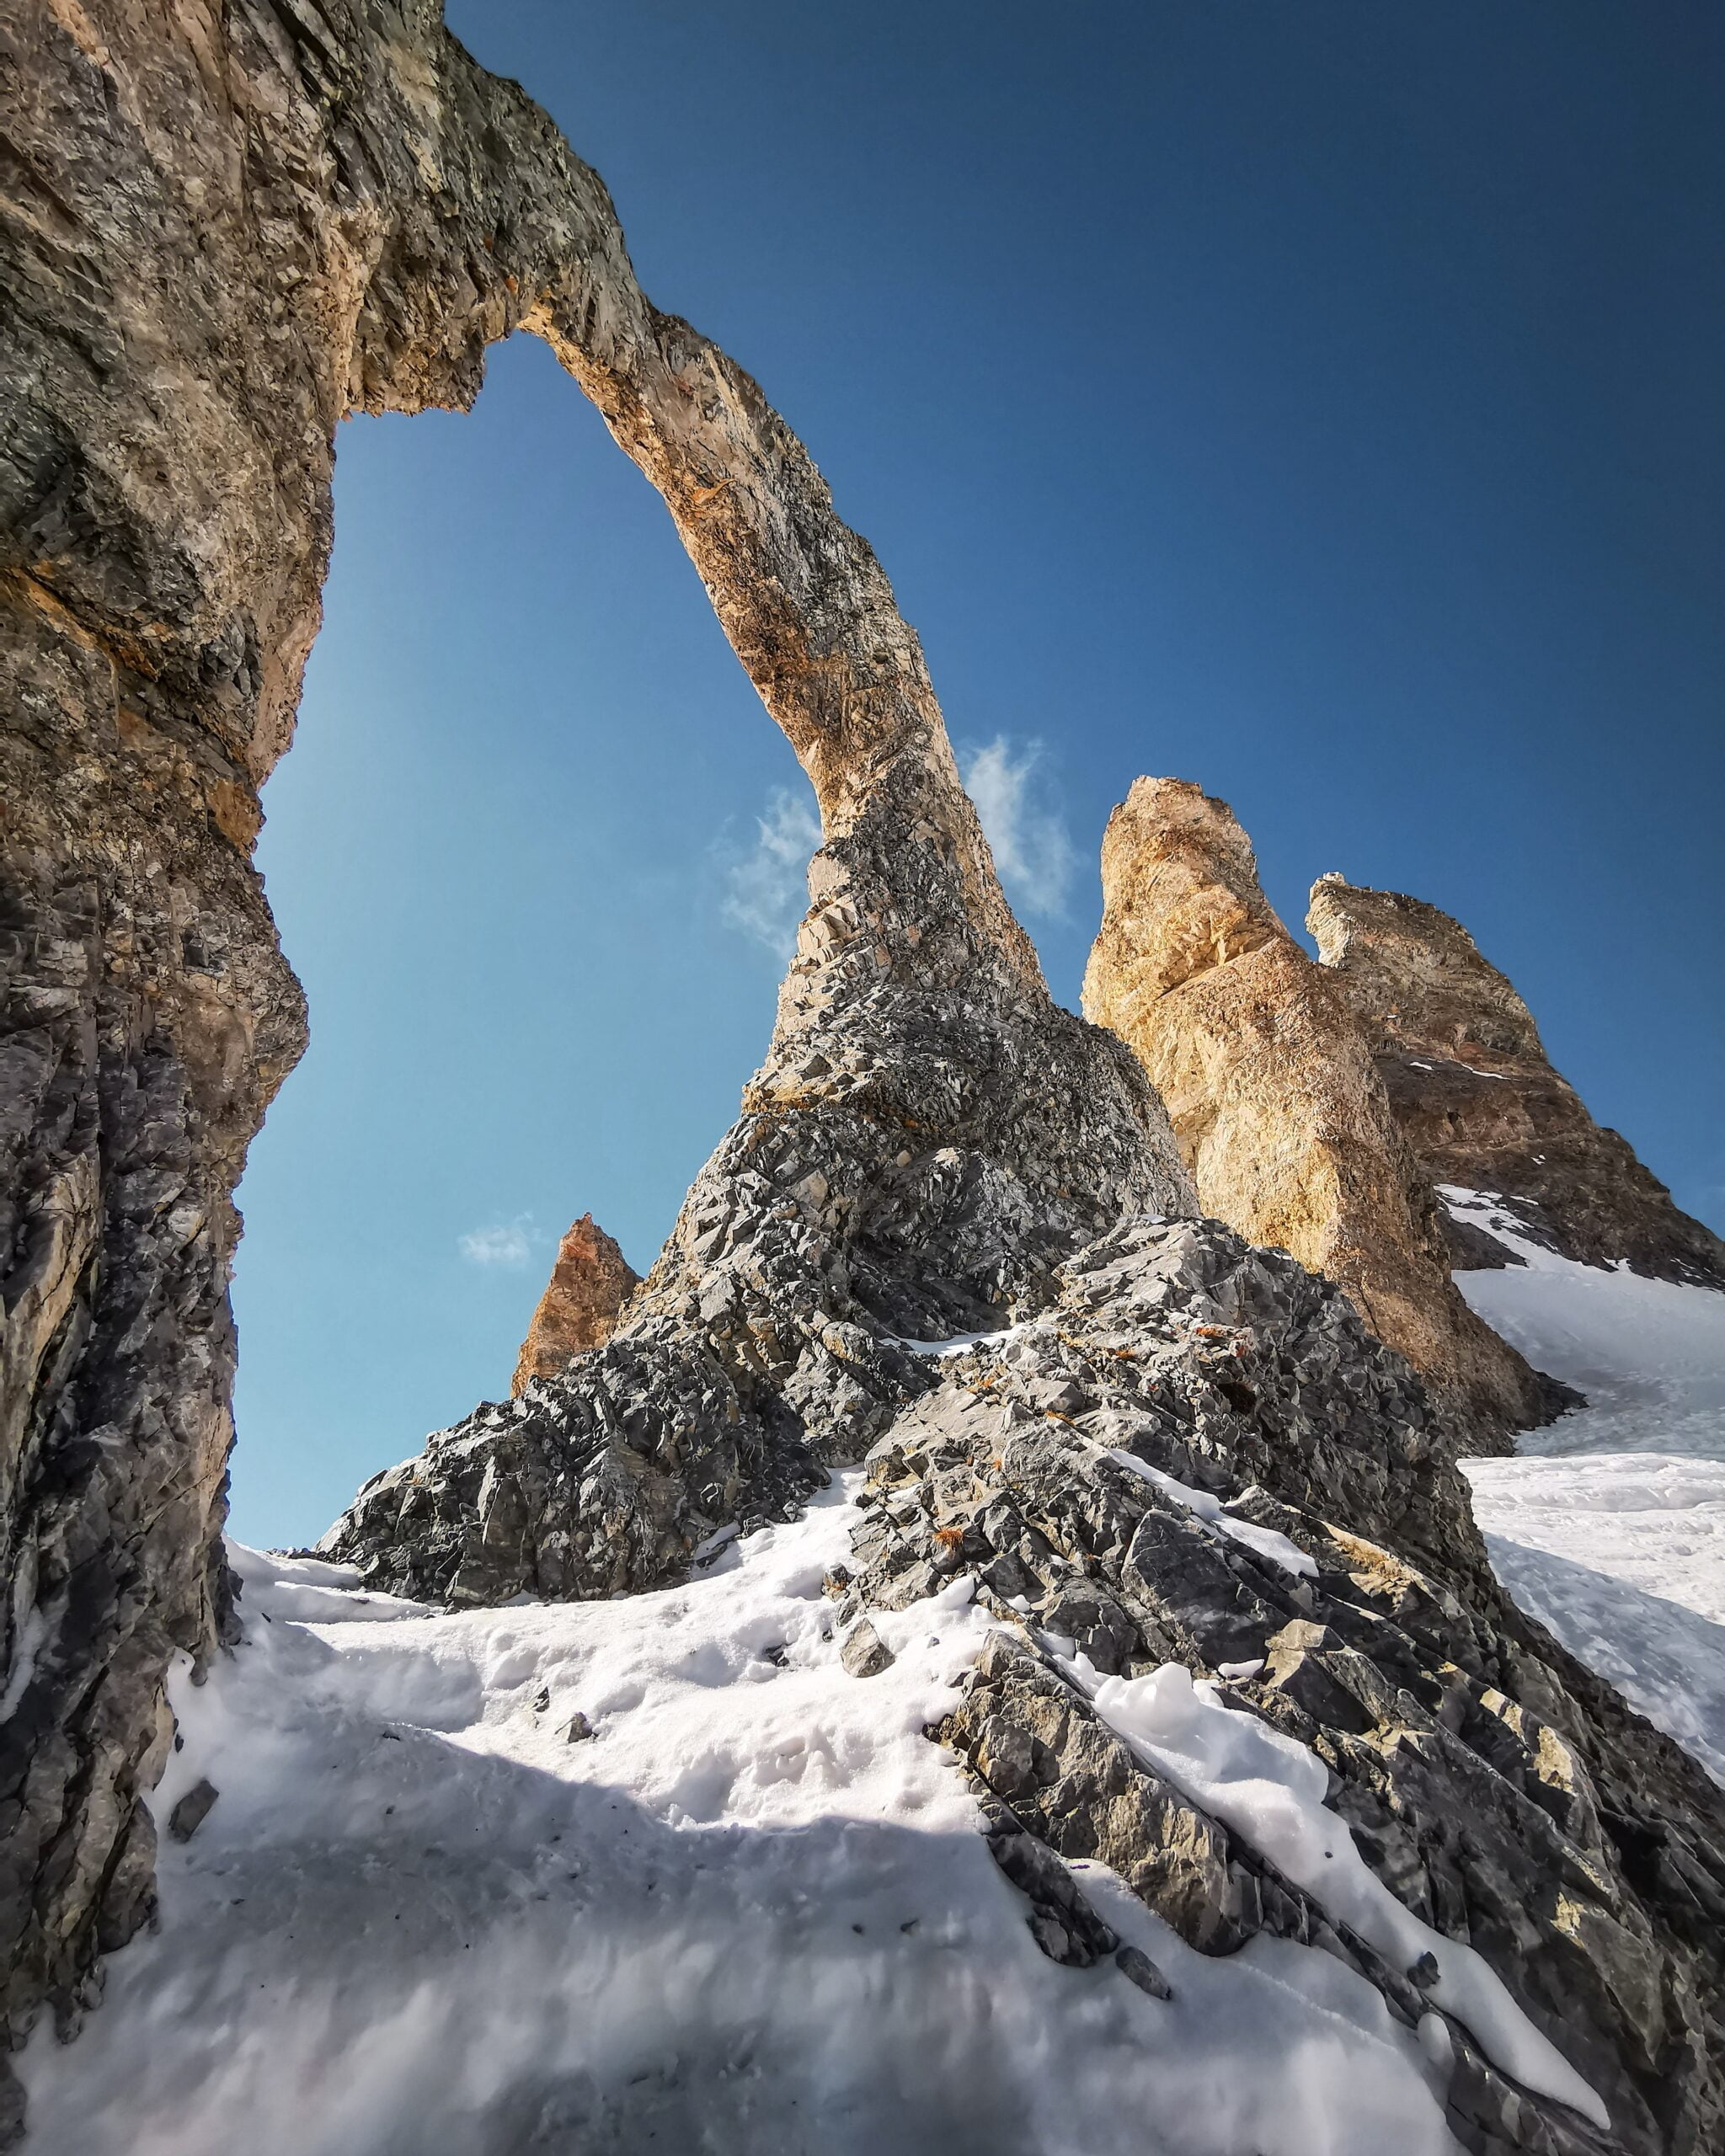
(223, 230)
(1471, 1086)
(1269, 1081)
(588, 1285)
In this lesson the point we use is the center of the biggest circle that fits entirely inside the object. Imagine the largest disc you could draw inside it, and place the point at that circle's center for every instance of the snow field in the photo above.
(1609, 1525)
(752, 1912)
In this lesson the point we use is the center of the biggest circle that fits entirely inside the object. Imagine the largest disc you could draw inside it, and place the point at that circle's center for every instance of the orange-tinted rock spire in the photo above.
(583, 1297)
(1270, 1084)
(1477, 1098)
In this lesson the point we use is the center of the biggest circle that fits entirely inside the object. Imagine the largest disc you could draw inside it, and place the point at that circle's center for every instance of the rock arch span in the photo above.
(225, 230)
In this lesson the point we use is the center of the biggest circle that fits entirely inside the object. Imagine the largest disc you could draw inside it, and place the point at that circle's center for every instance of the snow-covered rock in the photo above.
(753, 1914)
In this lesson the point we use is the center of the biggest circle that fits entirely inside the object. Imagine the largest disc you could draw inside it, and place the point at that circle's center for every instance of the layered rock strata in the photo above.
(1197, 1456)
(1473, 1090)
(1269, 1081)
(222, 231)
(590, 1283)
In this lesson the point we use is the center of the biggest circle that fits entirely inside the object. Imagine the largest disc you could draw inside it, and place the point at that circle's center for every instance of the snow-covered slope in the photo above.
(1610, 1525)
(751, 1912)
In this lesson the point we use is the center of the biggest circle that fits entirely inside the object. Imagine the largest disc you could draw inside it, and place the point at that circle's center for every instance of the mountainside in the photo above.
(754, 1913)
(1151, 1456)
(1168, 1554)
(1469, 1079)
(662, 1871)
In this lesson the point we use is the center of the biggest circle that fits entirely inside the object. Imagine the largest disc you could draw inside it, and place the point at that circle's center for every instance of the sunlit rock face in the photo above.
(230, 229)
(1471, 1086)
(226, 230)
(588, 1285)
(1268, 1078)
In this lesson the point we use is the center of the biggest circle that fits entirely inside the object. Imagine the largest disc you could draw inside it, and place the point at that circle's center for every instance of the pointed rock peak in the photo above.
(1416, 974)
(1479, 1102)
(584, 1298)
(1270, 1083)
(1180, 889)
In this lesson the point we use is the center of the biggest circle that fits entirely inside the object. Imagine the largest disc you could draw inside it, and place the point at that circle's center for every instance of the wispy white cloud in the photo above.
(509, 1245)
(767, 891)
(1031, 847)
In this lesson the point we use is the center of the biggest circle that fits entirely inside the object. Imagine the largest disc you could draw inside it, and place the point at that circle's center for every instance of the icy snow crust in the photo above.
(1609, 1525)
(1265, 1541)
(752, 1913)
(1270, 1790)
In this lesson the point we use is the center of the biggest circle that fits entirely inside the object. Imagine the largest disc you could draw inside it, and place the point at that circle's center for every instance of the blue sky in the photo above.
(1320, 403)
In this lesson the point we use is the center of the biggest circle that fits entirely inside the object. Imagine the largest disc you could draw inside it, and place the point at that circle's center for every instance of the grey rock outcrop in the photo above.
(1471, 1086)
(1268, 1078)
(1505, 1795)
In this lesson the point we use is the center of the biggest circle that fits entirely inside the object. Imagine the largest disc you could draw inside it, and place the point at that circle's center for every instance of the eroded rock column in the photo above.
(1269, 1081)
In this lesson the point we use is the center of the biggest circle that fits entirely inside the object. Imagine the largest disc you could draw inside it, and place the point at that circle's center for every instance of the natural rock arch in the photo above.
(227, 230)
(226, 235)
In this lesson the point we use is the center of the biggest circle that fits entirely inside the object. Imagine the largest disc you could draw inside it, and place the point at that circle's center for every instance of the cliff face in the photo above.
(1471, 1086)
(1269, 1081)
(588, 1285)
(224, 231)
(229, 230)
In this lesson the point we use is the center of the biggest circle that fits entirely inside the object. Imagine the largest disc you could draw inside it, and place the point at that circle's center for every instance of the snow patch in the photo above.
(752, 1911)
(1609, 1525)
(1270, 1790)
(961, 1343)
(1263, 1541)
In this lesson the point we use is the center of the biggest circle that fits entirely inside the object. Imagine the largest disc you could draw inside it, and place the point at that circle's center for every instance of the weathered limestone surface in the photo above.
(1269, 1081)
(224, 229)
(1505, 1795)
(1471, 1086)
(588, 1285)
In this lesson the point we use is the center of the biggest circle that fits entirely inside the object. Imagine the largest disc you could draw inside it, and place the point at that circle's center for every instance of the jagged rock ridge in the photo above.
(1269, 1079)
(590, 1283)
(1197, 1456)
(1472, 1087)
(314, 210)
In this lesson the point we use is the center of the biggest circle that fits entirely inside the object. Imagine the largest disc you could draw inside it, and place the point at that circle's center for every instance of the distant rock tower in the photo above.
(583, 1297)
(1474, 1091)
(1269, 1081)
